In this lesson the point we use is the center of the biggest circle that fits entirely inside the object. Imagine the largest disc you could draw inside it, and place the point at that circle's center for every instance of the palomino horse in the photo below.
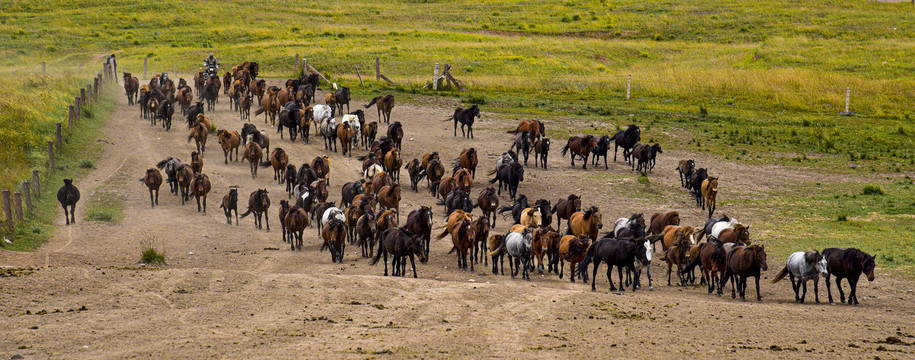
(626, 139)
(573, 249)
(804, 266)
(466, 118)
(384, 104)
(743, 262)
(258, 203)
(334, 235)
(847, 264)
(230, 204)
(628, 253)
(68, 195)
(253, 155)
(586, 222)
(153, 180)
(400, 243)
(201, 187)
(580, 146)
(229, 140)
(709, 194)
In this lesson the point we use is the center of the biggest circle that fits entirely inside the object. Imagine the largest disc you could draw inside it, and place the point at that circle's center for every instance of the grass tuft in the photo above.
(86, 164)
(872, 190)
(150, 254)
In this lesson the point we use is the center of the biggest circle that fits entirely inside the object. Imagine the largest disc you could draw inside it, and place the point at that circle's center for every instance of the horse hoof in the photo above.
(651, 288)
(593, 290)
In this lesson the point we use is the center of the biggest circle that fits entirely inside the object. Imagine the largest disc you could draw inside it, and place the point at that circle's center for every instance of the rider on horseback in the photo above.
(211, 62)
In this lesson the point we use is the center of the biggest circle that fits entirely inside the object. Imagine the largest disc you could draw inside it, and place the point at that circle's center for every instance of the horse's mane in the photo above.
(589, 212)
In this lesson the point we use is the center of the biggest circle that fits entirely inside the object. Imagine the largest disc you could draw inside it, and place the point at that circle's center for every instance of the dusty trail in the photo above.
(225, 293)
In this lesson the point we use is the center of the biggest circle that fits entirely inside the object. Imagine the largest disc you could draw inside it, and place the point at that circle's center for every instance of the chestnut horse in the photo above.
(153, 180)
(384, 105)
(229, 141)
(334, 235)
(709, 194)
(295, 221)
(468, 160)
(573, 249)
(660, 221)
(586, 222)
(253, 155)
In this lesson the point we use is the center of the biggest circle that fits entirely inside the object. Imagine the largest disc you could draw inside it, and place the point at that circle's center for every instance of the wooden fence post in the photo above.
(295, 66)
(82, 96)
(8, 208)
(95, 89)
(89, 90)
(628, 85)
(27, 196)
(18, 205)
(58, 137)
(50, 155)
(847, 98)
(70, 118)
(359, 75)
(80, 68)
(304, 66)
(79, 108)
(145, 59)
(377, 69)
(435, 77)
(35, 184)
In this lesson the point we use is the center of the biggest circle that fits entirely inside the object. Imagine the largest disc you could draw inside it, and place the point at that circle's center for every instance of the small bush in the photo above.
(86, 164)
(476, 99)
(872, 190)
(150, 254)
(703, 112)
(105, 215)
(842, 217)
(643, 178)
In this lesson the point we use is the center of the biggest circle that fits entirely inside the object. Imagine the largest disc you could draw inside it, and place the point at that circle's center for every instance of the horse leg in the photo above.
(705, 276)
(759, 296)
(853, 294)
(829, 288)
(594, 274)
(152, 202)
(816, 289)
(455, 130)
(511, 266)
(795, 287)
(385, 263)
(413, 265)
(803, 295)
(839, 287)
(619, 270)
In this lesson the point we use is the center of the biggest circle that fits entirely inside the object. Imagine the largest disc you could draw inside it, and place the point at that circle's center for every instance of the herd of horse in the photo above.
(368, 215)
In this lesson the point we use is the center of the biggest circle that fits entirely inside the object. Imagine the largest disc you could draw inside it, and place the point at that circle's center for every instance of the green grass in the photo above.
(78, 146)
(105, 207)
(150, 254)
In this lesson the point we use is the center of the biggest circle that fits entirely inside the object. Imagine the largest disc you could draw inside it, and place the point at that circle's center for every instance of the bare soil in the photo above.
(233, 291)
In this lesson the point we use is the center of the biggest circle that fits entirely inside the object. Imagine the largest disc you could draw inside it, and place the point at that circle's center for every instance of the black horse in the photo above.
(619, 253)
(457, 199)
(306, 175)
(68, 195)
(466, 118)
(516, 209)
(165, 112)
(509, 176)
(695, 183)
(289, 118)
(171, 166)
(846, 264)
(401, 244)
(342, 97)
(601, 150)
(310, 80)
(210, 94)
(626, 139)
(192, 113)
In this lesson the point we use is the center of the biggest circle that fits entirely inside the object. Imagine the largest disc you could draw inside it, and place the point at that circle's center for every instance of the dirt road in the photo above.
(226, 291)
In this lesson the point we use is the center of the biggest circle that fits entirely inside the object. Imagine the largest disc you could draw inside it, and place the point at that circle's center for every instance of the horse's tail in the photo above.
(493, 180)
(259, 111)
(377, 255)
(246, 213)
(566, 148)
(162, 163)
(781, 275)
(372, 102)
(266, 164)
(442, 235)
(449, 118)
(689, 267)
(654, 238)
(491, 172)
(189, 137)
(499, 249)
(583, 265)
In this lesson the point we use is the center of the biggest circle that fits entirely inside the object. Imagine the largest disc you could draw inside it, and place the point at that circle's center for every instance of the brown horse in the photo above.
(131, 87)
(541, 243)
(152, 107)
(285, 95)
(392, 163)
(674, 233)
(541, 152)
(270, 106)
(334, 235)
(230, 204)
(464, 179)
(321, 166)
(488, 202)
(320, 190)
(259, 203)
(685, 168)
(678, 254)
(387, 219)
(346, 133)
(196, 162)
(534, 127)
(709, 194)
(496, 245)
(444, 187)
(586, 222)
(389, 198)
(400, 243)
(295, 221)
(199, 133)
(480, 234)
(257, 88)
(739, 233)
(153, 180)
(200, 188)
(434, 173)
(462, 237)
(660, 221)
(253, 155)
(395, 133)
(429, 157)
(369, 132)
(384, 105)
(365, 233)
(415, 172)
(184, 176)
(713, 259)
(564, 209)
(279, 160)
(229, 140)
(743, 262)
(573, 249)
(468, 160)
(184, 98)
(226, 82)
(846, 264)
(580, 146)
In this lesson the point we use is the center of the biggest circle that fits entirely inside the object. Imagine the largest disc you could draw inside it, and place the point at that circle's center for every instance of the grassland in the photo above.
(759, 82)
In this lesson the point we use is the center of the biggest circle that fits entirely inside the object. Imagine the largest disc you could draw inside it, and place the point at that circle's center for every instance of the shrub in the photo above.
(872, 190)
(150, 254)
(842, 217)
(476, 99)
(86, 164)
(703, 112)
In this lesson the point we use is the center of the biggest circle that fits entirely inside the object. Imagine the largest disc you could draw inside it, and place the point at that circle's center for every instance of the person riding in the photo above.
(211, 62)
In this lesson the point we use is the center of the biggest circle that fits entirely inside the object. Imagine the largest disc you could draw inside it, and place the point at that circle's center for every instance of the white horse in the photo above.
(805, 266)
(519, 247)
(353, 121)
(720, 226)
(320, 113)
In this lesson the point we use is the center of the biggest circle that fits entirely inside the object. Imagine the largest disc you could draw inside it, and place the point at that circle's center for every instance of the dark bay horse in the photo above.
(488, 202)
(259, 203)
(153, 180)
(600, 150)
(580, 146)
(400, 243)
(68, 195)
(626, 139)
(466, 118)
(847, 264)
(419, 222)
(743, 262)
(620, 253)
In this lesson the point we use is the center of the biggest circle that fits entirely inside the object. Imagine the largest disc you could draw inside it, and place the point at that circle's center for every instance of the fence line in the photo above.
(14, 199)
